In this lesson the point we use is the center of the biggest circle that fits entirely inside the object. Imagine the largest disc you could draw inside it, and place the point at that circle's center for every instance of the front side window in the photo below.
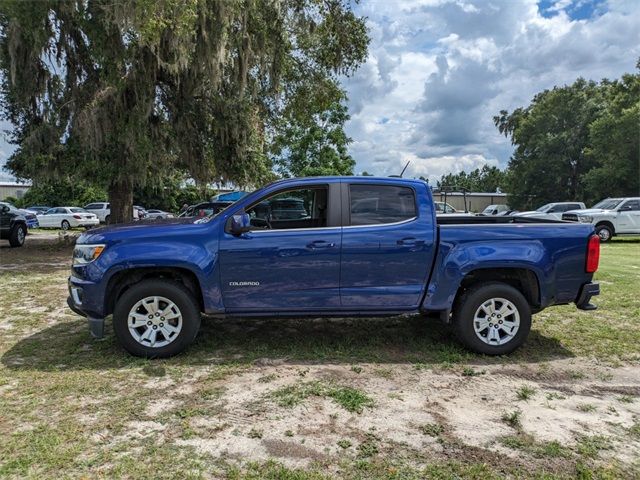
(379, 204)
(292, 209)
(631, 205)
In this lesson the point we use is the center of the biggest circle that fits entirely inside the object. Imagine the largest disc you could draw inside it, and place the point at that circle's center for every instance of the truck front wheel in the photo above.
(493, 319)
(156, 319)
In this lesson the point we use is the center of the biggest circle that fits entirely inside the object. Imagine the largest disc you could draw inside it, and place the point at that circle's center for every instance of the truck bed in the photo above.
(489, 219)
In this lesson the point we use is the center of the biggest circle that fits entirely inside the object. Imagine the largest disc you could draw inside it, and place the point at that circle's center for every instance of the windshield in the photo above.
(544, 208)
(78, 210)
(608, 204)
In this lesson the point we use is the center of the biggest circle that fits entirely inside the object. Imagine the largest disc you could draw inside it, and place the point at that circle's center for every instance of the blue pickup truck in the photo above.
(331, 246)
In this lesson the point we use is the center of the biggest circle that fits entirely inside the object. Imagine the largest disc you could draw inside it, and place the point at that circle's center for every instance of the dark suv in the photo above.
(13, 225)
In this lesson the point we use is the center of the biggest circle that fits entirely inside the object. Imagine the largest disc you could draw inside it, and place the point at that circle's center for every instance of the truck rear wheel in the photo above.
(156, 319)
(493, 319)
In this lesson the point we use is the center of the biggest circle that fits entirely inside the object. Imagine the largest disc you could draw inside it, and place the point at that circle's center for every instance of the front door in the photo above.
(387, 246)
(629, 217)
(290, 260)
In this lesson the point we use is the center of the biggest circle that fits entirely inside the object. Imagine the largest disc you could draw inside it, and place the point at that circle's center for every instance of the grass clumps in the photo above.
(525, 392)
(513, 419)
(349, 398)
(432, 429)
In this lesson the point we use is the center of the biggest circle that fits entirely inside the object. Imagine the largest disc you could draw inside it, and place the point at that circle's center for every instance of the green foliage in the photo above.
(349, 398)
(485, 179)
(63, 192)
(310, 138)
(577, 142)
(122, 94)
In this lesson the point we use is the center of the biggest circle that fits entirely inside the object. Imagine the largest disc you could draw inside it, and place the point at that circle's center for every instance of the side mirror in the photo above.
(239, 223)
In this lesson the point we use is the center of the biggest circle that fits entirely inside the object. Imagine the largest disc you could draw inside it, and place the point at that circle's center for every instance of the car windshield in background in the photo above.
(608, 204)
(544, 208)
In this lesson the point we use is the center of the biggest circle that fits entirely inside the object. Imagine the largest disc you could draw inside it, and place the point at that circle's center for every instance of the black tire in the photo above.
(65, 225)
(470, 302)
(106, 219)
(604, 232)
(173, 291)
(17, 236)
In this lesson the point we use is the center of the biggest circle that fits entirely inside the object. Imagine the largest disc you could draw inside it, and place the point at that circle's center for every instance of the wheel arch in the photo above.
(608, 224)
(121, 281)
(522, 279)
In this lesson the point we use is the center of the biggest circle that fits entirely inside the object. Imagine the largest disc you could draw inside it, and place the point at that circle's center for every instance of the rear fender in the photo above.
(455, 262)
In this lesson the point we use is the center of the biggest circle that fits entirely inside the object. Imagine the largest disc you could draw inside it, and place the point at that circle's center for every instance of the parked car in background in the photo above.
(611, 217)
(68, 217)
(442, 207)
(552, 211)
(31, 218)
(205, 209)
(498, 209)
(142, 212)
(102, 210)
(13, 225)
(38, 210)
(153, 214)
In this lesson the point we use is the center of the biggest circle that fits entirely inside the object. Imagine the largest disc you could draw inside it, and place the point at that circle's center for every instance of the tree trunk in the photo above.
(121, 200)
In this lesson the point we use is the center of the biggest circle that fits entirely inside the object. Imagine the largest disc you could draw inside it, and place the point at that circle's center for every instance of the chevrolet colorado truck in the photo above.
(363, 246)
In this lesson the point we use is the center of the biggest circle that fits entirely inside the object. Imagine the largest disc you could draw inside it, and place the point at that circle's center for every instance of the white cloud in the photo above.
(439, 70)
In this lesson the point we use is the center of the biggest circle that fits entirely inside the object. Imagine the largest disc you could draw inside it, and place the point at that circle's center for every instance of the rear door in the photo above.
(388, 244)
(289, 262)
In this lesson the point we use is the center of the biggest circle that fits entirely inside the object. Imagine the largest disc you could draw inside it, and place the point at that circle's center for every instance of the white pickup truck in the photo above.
(611, 217)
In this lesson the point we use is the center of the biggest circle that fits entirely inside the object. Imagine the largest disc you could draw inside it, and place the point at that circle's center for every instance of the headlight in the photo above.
(84, 254)
(585, 219)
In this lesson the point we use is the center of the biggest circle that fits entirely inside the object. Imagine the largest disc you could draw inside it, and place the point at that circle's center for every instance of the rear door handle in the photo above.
(320, 244)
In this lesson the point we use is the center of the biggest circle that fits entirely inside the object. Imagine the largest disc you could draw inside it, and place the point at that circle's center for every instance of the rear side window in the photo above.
(379, 204)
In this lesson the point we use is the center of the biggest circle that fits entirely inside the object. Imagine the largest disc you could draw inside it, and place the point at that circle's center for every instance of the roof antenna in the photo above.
(405, 167)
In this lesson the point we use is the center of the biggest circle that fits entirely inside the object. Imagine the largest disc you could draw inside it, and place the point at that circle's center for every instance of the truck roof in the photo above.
(354, 178)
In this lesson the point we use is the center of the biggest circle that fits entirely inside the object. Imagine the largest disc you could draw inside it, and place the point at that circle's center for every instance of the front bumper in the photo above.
(588, 290)
(74, 301)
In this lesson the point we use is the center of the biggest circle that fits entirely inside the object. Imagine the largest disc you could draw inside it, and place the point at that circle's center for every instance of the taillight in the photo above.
(593, 253)
(78, 217)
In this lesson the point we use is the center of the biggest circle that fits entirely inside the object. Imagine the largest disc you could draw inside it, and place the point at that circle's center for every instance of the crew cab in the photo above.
(364, 246)
(611, 217)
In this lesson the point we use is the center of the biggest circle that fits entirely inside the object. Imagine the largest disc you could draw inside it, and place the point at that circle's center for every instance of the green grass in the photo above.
(525, 392)
(52, 374)
(349, 398)
(513, 419)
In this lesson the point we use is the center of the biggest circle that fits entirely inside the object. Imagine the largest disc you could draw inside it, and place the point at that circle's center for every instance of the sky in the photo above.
(439, 70)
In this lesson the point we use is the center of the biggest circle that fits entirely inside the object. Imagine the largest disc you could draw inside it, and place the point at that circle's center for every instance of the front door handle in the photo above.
(410, 242)
(320, 244)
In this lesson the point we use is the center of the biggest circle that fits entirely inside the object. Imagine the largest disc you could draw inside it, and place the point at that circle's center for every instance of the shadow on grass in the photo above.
(410, 340)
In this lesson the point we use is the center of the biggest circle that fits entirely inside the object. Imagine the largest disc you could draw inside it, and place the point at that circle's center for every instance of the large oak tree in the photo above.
(119, 92)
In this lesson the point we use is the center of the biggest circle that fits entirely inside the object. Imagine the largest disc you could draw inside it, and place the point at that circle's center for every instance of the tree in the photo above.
(615, 143)
(551, 137)
(310, 138)
(485, 179)
(120, 93)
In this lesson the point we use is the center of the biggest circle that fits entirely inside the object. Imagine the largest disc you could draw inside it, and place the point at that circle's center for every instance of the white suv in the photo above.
(102, 211)
(612, 216)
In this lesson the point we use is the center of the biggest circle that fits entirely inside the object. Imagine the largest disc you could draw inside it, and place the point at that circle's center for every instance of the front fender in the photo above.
(455, 261)
(199, 258)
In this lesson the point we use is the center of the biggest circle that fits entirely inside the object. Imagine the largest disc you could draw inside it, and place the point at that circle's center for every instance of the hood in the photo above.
(531, 213)
(590, 211)
(142, 229)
